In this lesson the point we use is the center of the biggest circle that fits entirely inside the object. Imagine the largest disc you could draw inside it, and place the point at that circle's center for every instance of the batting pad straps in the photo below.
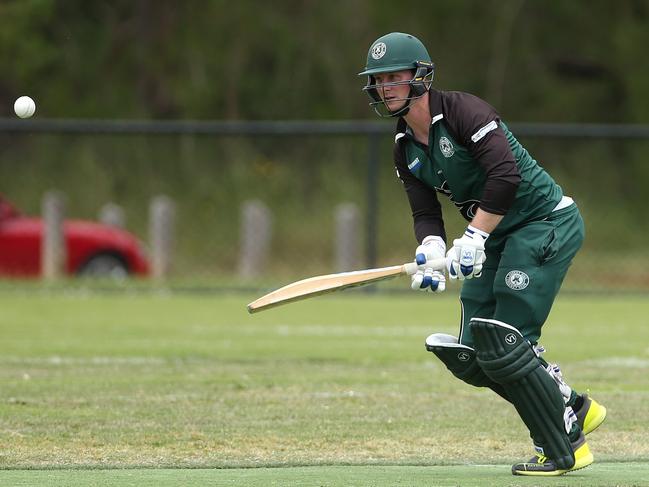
(461, 361)
(508, 359)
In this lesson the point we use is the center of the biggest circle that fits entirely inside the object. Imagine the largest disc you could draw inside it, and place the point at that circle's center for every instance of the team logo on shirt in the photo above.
(446, 147)
(378, 50)
(467, 208)
(517, 280)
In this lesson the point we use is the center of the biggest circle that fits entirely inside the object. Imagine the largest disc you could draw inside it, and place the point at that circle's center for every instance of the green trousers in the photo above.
(522, 274)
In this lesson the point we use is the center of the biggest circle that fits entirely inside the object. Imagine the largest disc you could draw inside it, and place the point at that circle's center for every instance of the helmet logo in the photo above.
(378, 50)
(446, 147)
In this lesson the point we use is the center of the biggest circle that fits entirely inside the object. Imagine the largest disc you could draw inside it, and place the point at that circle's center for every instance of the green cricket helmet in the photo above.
(397, 52)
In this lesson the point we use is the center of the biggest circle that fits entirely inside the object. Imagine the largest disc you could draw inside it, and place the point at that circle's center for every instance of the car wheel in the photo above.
(104, 266)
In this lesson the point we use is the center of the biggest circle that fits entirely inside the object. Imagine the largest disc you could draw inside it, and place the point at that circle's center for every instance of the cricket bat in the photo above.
(315, 286)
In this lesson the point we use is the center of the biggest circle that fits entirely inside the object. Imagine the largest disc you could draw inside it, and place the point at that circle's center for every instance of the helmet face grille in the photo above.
(419, 85)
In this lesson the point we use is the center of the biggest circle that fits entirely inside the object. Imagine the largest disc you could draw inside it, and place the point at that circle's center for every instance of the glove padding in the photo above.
(427, 278)
(465, 259)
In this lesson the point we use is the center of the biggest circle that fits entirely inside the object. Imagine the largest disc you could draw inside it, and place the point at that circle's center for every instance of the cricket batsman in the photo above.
(521, 237)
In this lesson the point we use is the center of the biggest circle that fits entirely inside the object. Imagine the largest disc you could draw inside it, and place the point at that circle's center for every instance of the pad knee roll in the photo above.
(508, 359)
(461, 361)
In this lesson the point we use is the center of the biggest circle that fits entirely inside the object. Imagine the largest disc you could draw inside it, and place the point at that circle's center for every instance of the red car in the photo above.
(93, 249)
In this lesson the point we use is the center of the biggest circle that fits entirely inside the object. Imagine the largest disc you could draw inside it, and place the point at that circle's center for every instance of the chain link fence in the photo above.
(262, 203)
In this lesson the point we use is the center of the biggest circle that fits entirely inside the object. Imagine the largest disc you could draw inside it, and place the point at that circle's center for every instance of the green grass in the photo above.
(339, 385)
(599, 475)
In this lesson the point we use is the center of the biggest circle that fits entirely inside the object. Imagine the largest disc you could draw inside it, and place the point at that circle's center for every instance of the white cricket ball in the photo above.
(24, 107)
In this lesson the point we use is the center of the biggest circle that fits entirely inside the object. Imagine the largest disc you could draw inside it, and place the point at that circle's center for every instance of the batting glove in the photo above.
(466, 257)
(427, 278)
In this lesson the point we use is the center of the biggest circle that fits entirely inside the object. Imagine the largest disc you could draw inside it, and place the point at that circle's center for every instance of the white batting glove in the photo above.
(427, 278)
(466, 257)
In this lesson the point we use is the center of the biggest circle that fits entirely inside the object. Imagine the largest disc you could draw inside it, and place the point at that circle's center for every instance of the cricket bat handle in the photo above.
(411, 267)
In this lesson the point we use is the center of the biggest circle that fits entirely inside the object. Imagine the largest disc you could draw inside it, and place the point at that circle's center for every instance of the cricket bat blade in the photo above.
(318, 285)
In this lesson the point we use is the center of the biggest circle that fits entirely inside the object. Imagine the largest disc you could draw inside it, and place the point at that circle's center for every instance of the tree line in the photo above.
(576, 61)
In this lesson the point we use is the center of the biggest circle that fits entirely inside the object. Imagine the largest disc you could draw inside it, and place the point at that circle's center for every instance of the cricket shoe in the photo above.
(590, 415)
(542, 466)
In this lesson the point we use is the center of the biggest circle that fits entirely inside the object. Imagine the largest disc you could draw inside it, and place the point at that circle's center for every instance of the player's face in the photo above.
(393, 88)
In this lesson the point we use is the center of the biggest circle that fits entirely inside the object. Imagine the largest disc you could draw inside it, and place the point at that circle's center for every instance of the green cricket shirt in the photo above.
(474, 159)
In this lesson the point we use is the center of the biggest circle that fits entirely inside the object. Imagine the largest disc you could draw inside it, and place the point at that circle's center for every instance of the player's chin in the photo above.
(394, 105)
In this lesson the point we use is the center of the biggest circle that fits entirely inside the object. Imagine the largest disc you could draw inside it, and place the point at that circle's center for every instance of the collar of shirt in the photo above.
(435, 104)
(436, 113)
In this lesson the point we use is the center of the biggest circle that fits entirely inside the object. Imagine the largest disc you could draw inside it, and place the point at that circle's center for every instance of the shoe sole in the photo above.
(556, 473)
(597, 421)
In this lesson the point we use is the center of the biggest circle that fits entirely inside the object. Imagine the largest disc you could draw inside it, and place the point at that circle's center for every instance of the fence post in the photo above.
(113, 215)
(372, 210)
(347, 220)
(53, 249)
(162, 215)
(255, 236)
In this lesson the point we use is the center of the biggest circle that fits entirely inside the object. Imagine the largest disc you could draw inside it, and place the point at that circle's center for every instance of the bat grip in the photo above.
(411, 267)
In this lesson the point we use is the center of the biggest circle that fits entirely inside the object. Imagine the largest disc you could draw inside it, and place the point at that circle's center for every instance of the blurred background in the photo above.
(248, 119)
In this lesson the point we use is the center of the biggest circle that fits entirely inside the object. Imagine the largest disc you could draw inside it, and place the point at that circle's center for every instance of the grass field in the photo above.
(153, 388)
